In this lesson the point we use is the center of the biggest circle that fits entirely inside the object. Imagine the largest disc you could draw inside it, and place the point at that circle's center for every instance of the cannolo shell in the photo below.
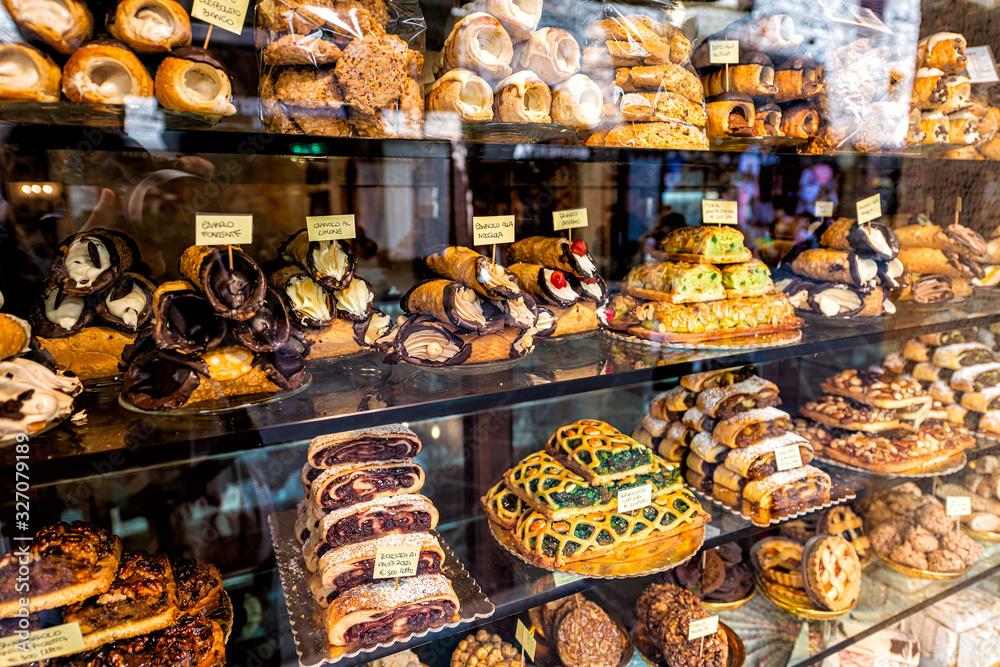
(801, 122)
(493, 346)
(578, 318)
(957, 238)
(145, 316)
(280, 279)
(844, 234)
(299, 249)
(197, 263)
(827, 265)
(549, 252)
(747, 79)
(465, 265)
(932, 260)
(336, 340)
(94, 352)
(437, 299)
(122, 253)
(163, 328)
(270, 327)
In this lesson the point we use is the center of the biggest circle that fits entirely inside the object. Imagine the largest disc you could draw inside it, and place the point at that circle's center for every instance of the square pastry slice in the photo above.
(706, 245)
(877, 389)
(392, 441)
(839, 412)
(747, 279)
(199, 586)
(599, 452)
(675, 282)
(353, 565)
(196, 641)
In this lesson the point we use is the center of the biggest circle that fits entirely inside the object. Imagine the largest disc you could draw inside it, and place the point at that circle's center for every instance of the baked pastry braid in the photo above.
(703, 446)
(599, 452)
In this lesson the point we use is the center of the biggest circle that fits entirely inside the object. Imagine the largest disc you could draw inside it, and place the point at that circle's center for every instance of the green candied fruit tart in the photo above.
(747, 279)
(717, 245)
(675, 282)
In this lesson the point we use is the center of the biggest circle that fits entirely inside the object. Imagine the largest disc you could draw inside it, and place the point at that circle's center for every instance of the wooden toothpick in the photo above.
(727, 77)
(208, 36)
(230, 257)
(958, 209)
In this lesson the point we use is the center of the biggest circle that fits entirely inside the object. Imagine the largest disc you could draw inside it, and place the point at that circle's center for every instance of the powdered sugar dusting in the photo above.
(363, 550)
(386, 595)
(405, 502)
(709, 399)
(740, 460)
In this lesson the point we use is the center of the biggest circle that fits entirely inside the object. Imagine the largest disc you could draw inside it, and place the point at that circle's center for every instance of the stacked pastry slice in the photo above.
(709, 288)
(362, 493)
(849, 274)
(33, 397)
(474, 312)
(982, 486)
(942, 262)
(561, 504)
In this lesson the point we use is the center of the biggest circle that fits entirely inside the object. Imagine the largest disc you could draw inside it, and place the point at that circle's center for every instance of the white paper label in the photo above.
(392, 562)
(569, 219)
(490, 229)
(981, 67)
(718, 212)
(787, 458)
(41, 645)
(564, 578)
(824, 209)
(223, 229)
(881, 661)
(330, 227)
(525, 639)
(996, 608)
(958, 505)
(724, 52)
(635, 498)
(226, 14)
(703, 627)
(869, 209)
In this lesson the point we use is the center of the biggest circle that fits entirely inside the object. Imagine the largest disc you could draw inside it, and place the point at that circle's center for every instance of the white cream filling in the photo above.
(201, 84)
(17, 70)
(79, 264)
(566, 293)
(53, 14)
(546, 320)
(519, 311)
(488, 46)
(835, 301)
(990, 278)
(309, 299)
(867, 269)
(894, 268)
(594, 289)
(524, 343)
(377, 326)
(330, 260)
(468, 306)
(492, 275)
(50, 380)
(154, 23)
(41, 407)
(430, 345)
(586, 265)
(355, 299)
(800, 299)
(67, 314)
(128, 307)
(107, 79)
(889, 307)
(877, 239)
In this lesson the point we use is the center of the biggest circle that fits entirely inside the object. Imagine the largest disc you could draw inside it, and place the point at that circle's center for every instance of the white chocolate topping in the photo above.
(836, 300)
(128, 307)
(330, 260)
(67, 314)
(356, 298)
(79, 264)
(308, 298)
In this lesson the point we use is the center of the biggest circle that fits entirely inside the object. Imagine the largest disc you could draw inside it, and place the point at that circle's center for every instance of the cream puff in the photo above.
(192, 79)
(65, 25)
(150, 26)
(105, 72)
(27, 75)
(577, 103)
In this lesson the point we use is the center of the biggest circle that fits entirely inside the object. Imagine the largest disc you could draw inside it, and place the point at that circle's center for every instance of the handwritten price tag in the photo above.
(824, 209)
(724, 52)
(718, 212)
(958, 505)
(703, 628)
(489, 229)
(869, 209)
(330, 227)
(223, 229)
(564, 578)
(392, 562)
(981, 67)
(636, 498)
(525, 639)
(570, 219)
(787, 458)
(226, 14)
(41, 645)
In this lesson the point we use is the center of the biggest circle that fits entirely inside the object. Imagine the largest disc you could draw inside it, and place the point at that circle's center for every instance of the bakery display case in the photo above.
(520, 333)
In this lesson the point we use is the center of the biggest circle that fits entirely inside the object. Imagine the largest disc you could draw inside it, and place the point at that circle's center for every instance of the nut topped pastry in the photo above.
(875, 388)
(586, 637)
(665, 614)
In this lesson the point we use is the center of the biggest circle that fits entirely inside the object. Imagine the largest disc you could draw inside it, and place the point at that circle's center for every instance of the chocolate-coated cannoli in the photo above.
(234, 291)
(835, 300)
(128, 304)
(310, 306)
(767, 122)
(355, 302)
(368, 332)
(520, 313)
(872, 239)
(468, 267)
(285, 367)
(944, 262)
(590, 289)
(424, 341)
(330, 263)
(90, 261)
(799, 121)
(837, 266)
(185, 321)
(451, 302)
(797, 78)
(162, 380)
(754, 76)
(554, 253)
(547, 286)
(546, 323)
(269, 328)
(57, 313)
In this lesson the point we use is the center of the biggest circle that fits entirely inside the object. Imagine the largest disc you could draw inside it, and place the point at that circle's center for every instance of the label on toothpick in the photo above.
(392, 562)
(869, 208)
(703, 627)
(489, 229)
(824, 209)
(223, 229)
(571, 219)
(564, 578)
(787, 458)
(330, 227)
(226, 14)
(635, 498)
(958, 505)
(724, 52)
(981, 68)
(718, 212)
(41, 645)
(525, 639)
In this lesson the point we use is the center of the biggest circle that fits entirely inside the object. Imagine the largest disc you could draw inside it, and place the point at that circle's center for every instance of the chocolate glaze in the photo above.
(268, 329)
(755, 58)
(236, 293)
(122, 287)
(199, 55)
(41, 326)
(284, 367)
(932, 288)
(187, 323)
(730, 97)
(798, 63)
(423, 323)
(577, 284)
(162, 380)
(61, 274)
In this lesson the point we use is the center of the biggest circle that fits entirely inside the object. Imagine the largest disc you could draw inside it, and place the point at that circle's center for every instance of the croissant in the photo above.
(27, 75)
(577, 103)
(522, 98)
(551, 53)
(72, 25)
(462, 92)
(192, 79)
(479, 43)
(105, 72)
(519, 17)
(151, 26)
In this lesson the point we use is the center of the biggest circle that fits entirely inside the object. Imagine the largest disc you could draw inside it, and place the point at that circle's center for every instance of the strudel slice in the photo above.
(599, 452)
(195, 641)
(392, 441)
(786, 492)
(406, 513)
(759, 461)
(346, 484)
(750, 394)
(987, 400)
(372, 613)
(749, 428)
(976, 378)
(838, 412)
(723, 377)
(354, 564)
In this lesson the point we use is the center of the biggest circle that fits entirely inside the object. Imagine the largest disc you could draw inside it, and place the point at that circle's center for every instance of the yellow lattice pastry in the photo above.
(503, 506)
(555, 542)
(599, 452)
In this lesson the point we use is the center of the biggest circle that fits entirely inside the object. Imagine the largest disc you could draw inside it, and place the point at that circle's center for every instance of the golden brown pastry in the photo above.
(308, 50)
(463, 92)
(767, 122)
(151, 26)
(64, 26)
(551, 53)
(730, 115)
(935, 127)
(660, 105)
(797, 78)
(958, 90)
(657, 135)
(343, 21)
(754, 76)
(27, 75)
(929, 90)
(519, 17)
(943, 50)
(577, 103)
(106, 72)
(522, 98)
(192, 79)
(799, 122)
(673, 78)
(477, 42)
(963, 128)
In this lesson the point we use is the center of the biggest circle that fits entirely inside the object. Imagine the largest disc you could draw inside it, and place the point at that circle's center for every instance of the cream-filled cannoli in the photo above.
(331, 263)
(423, 341)
(64, 26)
(838, 266)
(797, 78)
(929, 90)
(91, 261)
(955, 238)
(451, 302)
(554, 253)
(28, 75)
(309, 304)
(192, 79)
(354, 302)
(943, 50)
(519, 313)
(934, 124)
(958, 93)
(473, 270)
(753, 76)
(150, 26)
(941, 262)
(128, 304)
(547, 286)
(963, 128)
(872, 239)
(519, 17)
(730, 115)
(106, 72)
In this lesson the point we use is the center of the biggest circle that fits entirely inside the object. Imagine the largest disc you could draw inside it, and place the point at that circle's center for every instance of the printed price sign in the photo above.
(703, 627)
(563, 578)
(958, 505)
(525, 639)
(635, 498)
(824, 209)
(869, 209)
(223, 229)
(571, 219)
(489, 229)
(786, 458)
(718, 212)
(330, 227)
(227, 14)
(40, 645)
(981, 67)
(392, 562)
(724, 52)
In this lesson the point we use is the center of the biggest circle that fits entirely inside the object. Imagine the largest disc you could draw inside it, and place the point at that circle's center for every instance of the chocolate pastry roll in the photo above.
(960, 355)
(799, 121)
(872, 239)
(697, 480)
(520, 313)
(30, 75)
(767, 122)
(423, 341)
(105, 72)
(958, 93)
(730, 115)
(551, 53)
(935, 127)
(269, 329)
(162, 380)
(330, 263)
(404, 513)
(185, 321)
(577, 102)
(310, 306)
(463, 92)
(943, 50)
(727, 486)
(191, 79)
(953, 238)
(786, 491)
(307, 476)
(344, 484)
(698, 421)
(373, 613)
(150, 26)
(128, 305)
(725, 402)
(698, 382)
(931, 288)
(63, 26)
(929, 90)
(234, 291)
(749, 428)
(548, 286)
(797, 78)
(754, 76)
(479, 43)
(487, 279)
(354, 565)
(355, 302)
(837, 266)
(392, 441)
(590, 289)
(963, 128)
(554, 253)
(57, 313)
(283, 367)
(451, 302)
(942, 262)
(522, 98)
(91, 261)
(702, 445)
